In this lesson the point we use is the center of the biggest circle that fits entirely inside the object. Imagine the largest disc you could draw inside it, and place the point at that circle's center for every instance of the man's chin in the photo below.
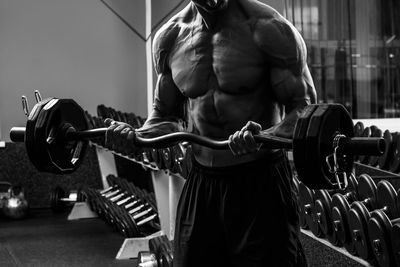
(211, 5)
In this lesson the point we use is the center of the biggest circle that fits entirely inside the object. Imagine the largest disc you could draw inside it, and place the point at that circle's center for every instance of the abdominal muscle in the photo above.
(218, 114)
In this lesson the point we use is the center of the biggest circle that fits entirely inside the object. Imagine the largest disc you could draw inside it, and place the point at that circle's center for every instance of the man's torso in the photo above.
(225, 76)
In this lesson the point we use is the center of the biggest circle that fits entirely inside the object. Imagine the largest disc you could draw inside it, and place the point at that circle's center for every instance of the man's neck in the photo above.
(210, 19)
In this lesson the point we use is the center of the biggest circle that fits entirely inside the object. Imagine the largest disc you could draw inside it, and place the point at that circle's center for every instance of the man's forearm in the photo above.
(286, 127)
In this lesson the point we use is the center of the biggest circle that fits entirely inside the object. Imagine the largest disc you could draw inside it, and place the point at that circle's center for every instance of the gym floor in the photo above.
(46, 239)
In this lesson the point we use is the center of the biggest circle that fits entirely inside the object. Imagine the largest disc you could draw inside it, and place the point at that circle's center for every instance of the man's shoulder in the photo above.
(166, 36)
(275, 35)
(258, 10)
(170, 29)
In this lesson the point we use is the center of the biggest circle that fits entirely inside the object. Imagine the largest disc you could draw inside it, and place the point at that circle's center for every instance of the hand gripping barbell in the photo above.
(323, 145)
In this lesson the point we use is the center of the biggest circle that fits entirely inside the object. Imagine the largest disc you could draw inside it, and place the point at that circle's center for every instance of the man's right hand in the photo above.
(120, 137)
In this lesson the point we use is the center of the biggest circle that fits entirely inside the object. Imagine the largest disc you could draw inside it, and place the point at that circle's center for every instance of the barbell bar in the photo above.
(323, 143)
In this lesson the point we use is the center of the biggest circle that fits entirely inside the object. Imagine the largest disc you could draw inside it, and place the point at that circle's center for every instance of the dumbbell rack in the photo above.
(167, 187)
(377, 174)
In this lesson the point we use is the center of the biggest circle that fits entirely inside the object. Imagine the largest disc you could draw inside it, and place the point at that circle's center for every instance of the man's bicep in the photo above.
(292, 90)
(168, 100)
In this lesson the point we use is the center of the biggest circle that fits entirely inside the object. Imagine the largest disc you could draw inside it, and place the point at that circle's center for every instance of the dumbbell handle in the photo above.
(349, 146)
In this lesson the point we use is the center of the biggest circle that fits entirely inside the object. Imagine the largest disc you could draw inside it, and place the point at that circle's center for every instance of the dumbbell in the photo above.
(358, 131)
(162, 247)
(395, 161)
(59, 201)
(366, 134)
(386, 158)
(395, 235)
(366, 193)
(381, 223)
(307, 208)
(374, 160)
(323, 208)
(133, 208)
(360, 214)
(182, 159)
(168, 157)
(302, 218)
(156, 155)
(135, 216)
(147, 259)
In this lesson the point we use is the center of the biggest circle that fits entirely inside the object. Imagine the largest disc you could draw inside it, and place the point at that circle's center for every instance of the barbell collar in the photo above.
(17, 134)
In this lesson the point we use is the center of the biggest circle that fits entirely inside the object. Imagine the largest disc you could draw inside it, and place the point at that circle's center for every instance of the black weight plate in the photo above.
(178, 159)
(379, 229)
(395, 239)
(395, 163)
(30, 141)
(367, 191)
(386, 158)
(307, 200)
(102, 111)
(168, 157)
(374, 160)
(323, 210)
(352, 185)
(300, 152)
(157, 158)
(326, 122)
(366, 133)
(55, 199)
(386, 197)
(358, 129)
(358, 221)
(302, 219)
(340, 213)
(59, 155)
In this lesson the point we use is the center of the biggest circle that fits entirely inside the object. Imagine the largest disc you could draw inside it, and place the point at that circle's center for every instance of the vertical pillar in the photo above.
(363, 74)
(149, 62)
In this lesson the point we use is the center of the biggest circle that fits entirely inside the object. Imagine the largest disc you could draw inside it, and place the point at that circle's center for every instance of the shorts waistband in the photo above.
(265, 161)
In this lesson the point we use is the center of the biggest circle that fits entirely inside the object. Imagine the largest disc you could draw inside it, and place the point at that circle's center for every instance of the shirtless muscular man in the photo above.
(228, 69)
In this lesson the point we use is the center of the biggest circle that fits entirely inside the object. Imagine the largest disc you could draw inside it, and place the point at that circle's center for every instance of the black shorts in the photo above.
(244, 215)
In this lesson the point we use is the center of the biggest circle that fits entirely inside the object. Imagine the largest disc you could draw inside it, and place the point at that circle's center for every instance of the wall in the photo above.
(69, 49)
(75, 49)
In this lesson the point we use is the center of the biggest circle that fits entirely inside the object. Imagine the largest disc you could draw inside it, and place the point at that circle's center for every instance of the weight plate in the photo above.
(55, 119)
(326, 122)
(300, 152)
(386, 197)
(55, 199)
(358, 129)
(366, 133)
(395, 163)
(395, 239)
(302, 218)
(352, 185)
(307, 200)
(386, 158)
(340, 213)
(367, 191)
(358, 221)
(323, 212)
(156, 155)
(373, 160)
(379, 229)
(30, 141)
(178, 155)
(168, 157)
